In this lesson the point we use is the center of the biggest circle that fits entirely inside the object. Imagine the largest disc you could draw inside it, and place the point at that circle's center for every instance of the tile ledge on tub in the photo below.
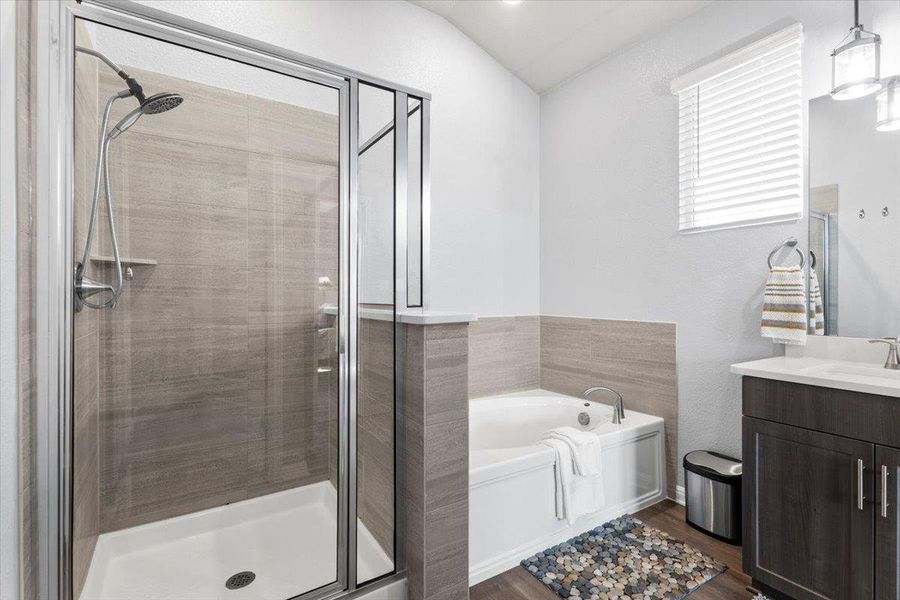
(854, 376)
(411, 316)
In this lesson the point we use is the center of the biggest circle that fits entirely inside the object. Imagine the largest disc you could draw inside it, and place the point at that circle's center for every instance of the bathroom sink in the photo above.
(850, 370)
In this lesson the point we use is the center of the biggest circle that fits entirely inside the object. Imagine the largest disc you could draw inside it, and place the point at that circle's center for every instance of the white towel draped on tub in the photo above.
(784, 317)
(579, 480)
(585, 447)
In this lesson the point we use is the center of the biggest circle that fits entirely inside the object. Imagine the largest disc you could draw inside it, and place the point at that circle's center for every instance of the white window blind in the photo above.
(740, 157)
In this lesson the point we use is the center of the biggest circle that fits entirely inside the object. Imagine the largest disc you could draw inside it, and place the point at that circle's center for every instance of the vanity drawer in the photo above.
(856, 415)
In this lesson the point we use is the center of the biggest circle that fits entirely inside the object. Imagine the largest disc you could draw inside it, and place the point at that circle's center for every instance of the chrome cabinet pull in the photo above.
(860, 467)
(884, 491)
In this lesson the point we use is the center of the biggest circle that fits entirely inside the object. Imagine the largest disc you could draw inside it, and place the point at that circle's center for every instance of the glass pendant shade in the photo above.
(855, 66)
(887, 105)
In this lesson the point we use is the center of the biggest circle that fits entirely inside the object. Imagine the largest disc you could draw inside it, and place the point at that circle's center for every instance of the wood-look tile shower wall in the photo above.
(216, 371)
(26, 258)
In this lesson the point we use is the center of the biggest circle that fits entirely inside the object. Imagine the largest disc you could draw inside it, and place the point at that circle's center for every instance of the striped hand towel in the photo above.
(816, 310)
(784, 317)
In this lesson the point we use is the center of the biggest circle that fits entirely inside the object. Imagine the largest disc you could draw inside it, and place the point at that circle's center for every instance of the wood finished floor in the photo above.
(517, 584)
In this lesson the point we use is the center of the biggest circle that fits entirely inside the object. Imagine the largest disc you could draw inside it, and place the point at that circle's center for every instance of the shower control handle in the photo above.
(87, 287)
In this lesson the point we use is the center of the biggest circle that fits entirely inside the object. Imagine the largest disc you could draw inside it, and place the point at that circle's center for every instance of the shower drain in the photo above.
(239, 580)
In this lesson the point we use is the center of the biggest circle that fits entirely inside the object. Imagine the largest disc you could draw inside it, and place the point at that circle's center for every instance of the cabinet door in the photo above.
(808, 521)
(887, 523)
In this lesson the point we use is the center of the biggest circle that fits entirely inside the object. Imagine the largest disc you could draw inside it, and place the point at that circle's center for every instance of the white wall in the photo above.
(845, 149)
(609, 201)
(484, 133)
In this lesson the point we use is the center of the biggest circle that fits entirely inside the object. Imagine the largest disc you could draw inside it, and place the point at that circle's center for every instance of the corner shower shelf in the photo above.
(125, 260)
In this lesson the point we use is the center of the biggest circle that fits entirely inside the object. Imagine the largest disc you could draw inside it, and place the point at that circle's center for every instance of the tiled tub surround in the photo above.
(637, 358)
(504, 355)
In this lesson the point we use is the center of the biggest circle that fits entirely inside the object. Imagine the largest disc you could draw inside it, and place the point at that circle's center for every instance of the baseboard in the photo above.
(679, 494)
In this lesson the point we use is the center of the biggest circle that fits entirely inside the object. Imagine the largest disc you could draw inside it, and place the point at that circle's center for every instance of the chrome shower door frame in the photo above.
(54, 232)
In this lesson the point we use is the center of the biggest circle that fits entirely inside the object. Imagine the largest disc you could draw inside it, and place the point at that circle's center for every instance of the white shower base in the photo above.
(289, 539)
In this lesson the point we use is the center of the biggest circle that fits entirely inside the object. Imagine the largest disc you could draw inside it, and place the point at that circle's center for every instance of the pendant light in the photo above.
(887, 105)
(855, 64)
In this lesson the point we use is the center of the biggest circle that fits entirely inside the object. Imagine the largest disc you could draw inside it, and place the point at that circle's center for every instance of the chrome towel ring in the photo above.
(788, 243)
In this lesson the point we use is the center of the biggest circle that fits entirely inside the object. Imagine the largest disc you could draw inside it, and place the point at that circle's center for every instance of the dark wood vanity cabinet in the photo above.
(887, 519)
(820, 491)
(808, 537)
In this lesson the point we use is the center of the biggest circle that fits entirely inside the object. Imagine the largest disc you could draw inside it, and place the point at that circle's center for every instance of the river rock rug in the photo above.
(623, 559)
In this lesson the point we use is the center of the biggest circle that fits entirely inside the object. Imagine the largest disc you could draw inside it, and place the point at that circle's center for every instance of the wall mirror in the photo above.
(854, 218)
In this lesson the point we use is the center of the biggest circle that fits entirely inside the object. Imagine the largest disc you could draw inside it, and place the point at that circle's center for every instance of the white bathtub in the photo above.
(512, 512)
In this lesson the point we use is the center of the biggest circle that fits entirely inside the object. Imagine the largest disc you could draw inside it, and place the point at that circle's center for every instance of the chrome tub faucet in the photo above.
(618, 407)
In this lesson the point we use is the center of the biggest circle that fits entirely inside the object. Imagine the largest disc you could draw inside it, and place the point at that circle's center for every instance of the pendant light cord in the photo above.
(856, 14)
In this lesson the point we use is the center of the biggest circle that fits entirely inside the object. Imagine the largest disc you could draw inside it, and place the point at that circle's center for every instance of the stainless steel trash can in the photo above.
(713, 494)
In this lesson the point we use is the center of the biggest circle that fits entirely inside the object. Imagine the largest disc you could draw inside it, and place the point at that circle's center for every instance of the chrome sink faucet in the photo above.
(893, 357)
(618, 407)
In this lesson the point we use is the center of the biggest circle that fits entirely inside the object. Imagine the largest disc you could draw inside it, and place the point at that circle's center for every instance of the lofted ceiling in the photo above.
(545, 42)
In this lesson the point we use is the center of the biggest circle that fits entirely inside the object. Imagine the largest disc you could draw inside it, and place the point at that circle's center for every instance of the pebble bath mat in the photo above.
(622, 560)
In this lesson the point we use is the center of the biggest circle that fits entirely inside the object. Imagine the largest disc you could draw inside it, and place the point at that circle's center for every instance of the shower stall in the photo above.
(239, 229)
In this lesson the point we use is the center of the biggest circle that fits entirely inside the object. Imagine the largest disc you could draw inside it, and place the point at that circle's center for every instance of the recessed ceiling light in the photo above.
(512, 1)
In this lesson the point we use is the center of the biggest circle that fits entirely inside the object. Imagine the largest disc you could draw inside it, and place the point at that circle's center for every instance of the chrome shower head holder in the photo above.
(86, 287)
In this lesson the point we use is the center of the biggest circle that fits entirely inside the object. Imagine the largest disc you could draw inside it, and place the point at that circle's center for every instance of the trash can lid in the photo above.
(713, 461)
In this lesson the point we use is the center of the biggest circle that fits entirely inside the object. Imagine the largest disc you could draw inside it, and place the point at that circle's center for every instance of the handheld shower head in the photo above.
(160, 103)
(155, 104)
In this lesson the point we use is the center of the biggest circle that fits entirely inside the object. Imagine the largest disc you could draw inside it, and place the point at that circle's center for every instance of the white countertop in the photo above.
(827, 372)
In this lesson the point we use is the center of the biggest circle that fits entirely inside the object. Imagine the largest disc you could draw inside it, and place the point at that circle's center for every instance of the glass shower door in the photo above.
(207, 389)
